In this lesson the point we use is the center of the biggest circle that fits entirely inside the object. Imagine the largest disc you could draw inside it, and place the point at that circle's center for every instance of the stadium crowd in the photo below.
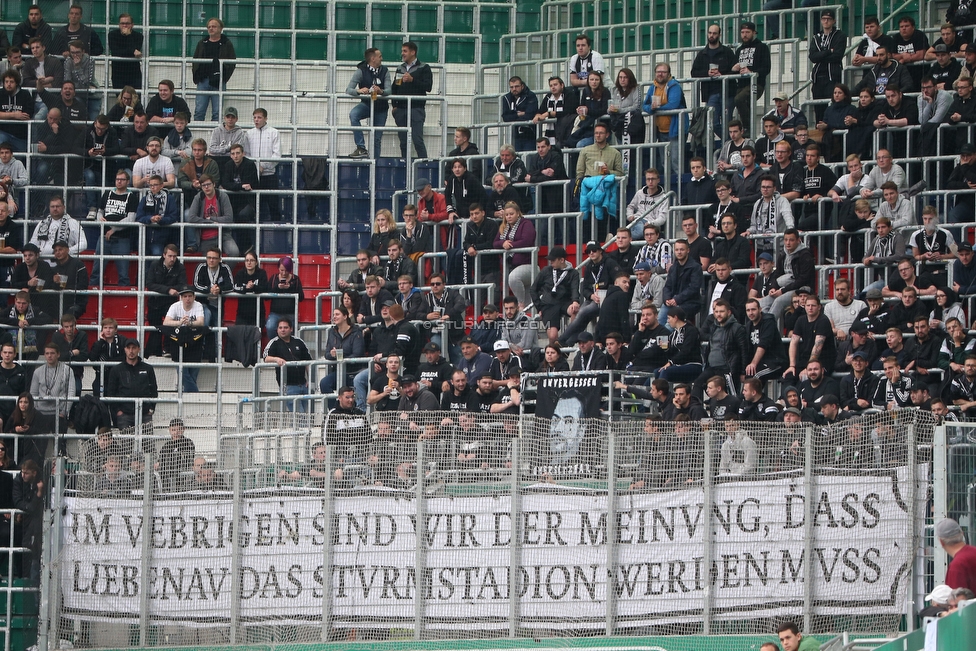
(680, 306)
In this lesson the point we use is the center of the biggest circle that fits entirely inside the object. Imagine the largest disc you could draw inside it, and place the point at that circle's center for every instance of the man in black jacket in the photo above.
(71, 279)
(827, 49)
(479, 235)
(794, 269)
(240, 178)
(715, 60)
(858, 388)
(726, 286)
(615, 309)
(645, 348)
(133, 378)
(727, 348)
(731, 247)
(766, 355)
(684, 402)
(753, 57)
(556, 291)
(416, 79)
(885, 72)
(596, 279)
(755, 405)
(547, 165)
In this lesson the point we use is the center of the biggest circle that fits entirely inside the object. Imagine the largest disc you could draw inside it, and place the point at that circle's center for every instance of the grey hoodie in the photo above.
(221, 140)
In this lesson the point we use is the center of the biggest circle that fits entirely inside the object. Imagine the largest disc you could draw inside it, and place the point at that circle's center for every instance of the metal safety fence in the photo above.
(430, 524)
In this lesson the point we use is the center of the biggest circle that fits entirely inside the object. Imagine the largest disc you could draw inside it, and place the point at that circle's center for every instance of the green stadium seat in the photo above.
(528, 21)
(134, 9)
(166, 13)
(311, 15)
(387, 18)
(240, 14)
(349, 47)
(165, 43)
(314, 47)
(350, 17)
(243, 44)
(427, 48)
(422, 19)
(458, 49)
(389, 45)
(276, 46)
(275, 15)
(458, 20)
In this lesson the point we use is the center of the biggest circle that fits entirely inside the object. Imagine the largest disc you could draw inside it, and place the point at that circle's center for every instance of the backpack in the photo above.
(89, 414)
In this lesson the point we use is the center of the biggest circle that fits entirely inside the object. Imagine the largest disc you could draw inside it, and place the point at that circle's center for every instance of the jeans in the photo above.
(120, 244)
(359, 113)
(227, 244)
(715, 102)
(680, 373)
(301, 406)
(190, 375)
(587, 313)
(673, 157)
(777, 306)
(417, 118)
(361, 384)
(270, 203)
(200, 108)
(271, 325)
(19, 145)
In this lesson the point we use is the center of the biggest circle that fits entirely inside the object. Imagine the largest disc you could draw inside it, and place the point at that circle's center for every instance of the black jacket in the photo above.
(566, 293)
(131, 381)
(614, 314)
(723, 56)
(827, 55)
(803, 269)
(767, 336)
(851, 390)
(647, 355)
(461, 192)
(735, 293)
(731, 338)
(159, 281)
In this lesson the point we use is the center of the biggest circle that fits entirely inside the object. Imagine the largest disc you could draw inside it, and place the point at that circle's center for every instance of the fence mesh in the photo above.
(498, 526)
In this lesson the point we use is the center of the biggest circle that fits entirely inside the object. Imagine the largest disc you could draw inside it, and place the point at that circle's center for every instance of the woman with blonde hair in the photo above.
(516, 232)
(384, 230)
(126, 105)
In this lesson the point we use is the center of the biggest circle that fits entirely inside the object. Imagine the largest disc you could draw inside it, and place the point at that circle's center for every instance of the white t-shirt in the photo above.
(145, 168)
(176, 311)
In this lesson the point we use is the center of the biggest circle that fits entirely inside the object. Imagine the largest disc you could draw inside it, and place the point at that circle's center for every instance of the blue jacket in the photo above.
(676, 100)
(600, 192)
(147, 209)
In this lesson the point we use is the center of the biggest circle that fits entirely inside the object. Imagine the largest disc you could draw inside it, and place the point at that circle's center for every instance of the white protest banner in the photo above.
(862, 554)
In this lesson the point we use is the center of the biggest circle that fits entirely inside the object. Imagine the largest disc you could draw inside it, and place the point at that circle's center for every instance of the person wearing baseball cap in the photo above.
(504, 364)
(752, 57)
(435, 372)
(858, 388)
(962, 569)
(133, 378)
(827, 48)
(415, 397)
(555, 291)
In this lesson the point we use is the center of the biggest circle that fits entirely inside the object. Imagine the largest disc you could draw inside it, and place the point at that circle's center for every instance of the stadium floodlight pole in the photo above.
(808, 531)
